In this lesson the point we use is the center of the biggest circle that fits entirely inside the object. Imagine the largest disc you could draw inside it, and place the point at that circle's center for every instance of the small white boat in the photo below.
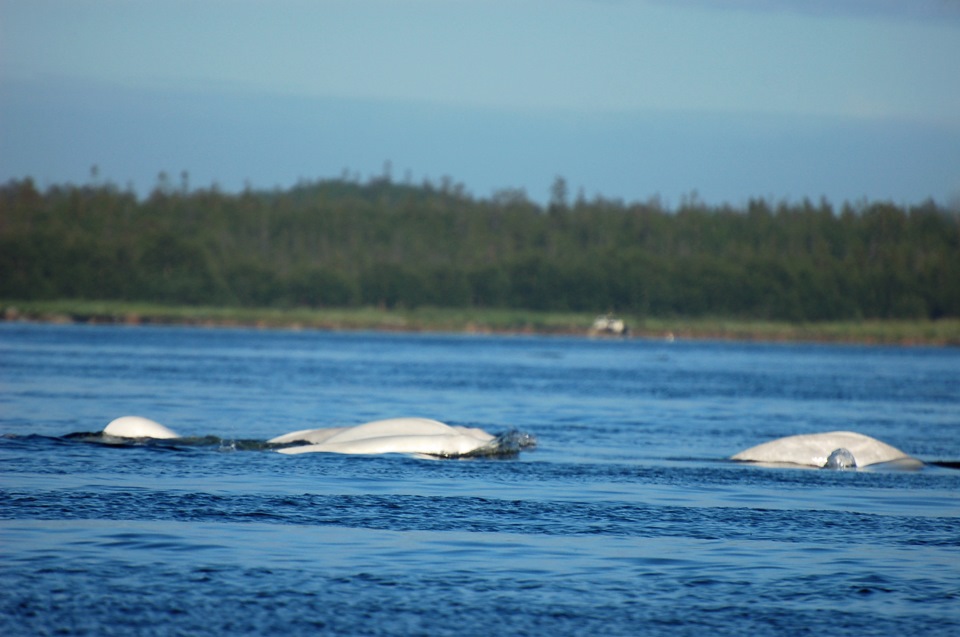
(607, 325)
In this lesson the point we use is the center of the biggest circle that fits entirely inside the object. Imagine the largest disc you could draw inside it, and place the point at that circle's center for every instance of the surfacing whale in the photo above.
(420, 436)
(138, 427)
(831, 450)
(417, 436)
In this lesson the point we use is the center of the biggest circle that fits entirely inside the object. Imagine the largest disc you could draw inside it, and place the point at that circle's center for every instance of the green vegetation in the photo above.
(337, 245)
(420, 319)
(914, 332)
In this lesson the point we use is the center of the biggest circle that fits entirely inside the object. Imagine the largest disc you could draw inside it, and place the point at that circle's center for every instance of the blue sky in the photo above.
(629, 99)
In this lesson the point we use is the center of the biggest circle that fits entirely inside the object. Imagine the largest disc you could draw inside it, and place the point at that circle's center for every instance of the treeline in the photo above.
(337, 243)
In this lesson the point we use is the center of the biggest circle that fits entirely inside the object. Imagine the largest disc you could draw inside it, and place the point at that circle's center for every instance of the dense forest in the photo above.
(342, 243)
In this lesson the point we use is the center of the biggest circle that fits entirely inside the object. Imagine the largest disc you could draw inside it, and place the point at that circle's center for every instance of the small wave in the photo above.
(946, 464)
(506, 445)
(191, 442)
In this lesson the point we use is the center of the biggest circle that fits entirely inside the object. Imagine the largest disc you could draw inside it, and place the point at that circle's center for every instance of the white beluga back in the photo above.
(831, 450)
(396, 435)
(138, 427)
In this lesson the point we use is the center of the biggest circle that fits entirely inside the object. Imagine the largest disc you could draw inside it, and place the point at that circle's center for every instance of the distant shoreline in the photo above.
(482, 321)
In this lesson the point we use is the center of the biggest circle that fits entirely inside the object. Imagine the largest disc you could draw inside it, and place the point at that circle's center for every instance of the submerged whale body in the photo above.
(831, 450)
(138, 427)
(421, 436)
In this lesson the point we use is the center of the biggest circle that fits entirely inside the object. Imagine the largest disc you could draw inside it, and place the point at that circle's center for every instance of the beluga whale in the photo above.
(831, 450)
(417, 436)
(138, 427)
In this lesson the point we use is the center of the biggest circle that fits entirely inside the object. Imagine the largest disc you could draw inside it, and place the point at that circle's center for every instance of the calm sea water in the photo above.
(625, 520)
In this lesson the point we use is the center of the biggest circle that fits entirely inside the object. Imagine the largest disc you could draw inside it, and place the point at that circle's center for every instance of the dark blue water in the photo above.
(625, 520)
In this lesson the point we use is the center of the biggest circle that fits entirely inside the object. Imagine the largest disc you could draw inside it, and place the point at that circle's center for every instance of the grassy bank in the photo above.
(944, 332)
